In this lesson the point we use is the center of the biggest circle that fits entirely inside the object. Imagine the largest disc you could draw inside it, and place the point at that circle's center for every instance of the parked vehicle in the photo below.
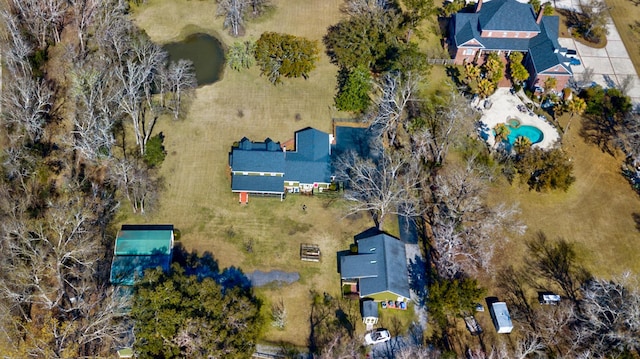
(472, 325)
(501, 317)
(379, 335)
(548, 298)
(571, 52)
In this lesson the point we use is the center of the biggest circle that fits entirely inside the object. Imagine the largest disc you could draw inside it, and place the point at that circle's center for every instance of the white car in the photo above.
(377, 336)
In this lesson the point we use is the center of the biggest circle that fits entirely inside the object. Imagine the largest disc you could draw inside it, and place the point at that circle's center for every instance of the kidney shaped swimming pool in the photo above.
(531, 132)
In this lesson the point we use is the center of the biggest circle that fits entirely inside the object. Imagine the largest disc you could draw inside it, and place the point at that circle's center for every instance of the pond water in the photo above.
(206, 53)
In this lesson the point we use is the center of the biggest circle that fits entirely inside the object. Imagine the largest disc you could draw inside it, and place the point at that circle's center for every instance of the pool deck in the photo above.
(505, 107)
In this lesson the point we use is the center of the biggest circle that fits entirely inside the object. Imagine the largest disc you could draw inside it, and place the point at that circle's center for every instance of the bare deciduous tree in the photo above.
(43, 19)
(463, 227)
(388, 185)
(84, 13)
(26, 102)
(136, 181)
(96, 108)
(443, 124)
(136, 76)
(396, 91)
(364, 7)
(609, 315)
(179, 80)
(233, 12)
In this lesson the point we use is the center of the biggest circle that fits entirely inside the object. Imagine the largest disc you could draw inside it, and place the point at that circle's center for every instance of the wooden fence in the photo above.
(440, 61)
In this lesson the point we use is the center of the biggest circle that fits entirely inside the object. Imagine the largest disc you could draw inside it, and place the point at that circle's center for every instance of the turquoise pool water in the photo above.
(531, 132)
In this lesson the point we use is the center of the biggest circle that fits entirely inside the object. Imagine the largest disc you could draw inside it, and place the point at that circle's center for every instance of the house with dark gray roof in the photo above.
(270, 168)
(377, 269)
(504, 26)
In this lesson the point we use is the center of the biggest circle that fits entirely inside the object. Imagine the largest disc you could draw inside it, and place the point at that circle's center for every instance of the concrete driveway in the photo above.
(611, 65)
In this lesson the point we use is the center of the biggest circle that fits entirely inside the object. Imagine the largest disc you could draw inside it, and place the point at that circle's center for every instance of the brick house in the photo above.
(504, 26)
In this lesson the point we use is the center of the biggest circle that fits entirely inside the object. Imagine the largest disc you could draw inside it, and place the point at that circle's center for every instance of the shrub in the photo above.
(155, 153)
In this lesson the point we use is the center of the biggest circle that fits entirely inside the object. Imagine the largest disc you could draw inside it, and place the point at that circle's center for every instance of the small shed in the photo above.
(140, 247)
(548, 298)
(369, 311)
(125, 353)
(501, 317)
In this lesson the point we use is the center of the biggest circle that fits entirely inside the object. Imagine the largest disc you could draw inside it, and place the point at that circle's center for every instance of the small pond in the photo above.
(206, 53)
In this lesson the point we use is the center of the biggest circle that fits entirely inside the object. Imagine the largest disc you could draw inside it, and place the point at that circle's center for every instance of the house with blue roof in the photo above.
(269, 168)
(377, 269)
(138, 248)
(504, 26)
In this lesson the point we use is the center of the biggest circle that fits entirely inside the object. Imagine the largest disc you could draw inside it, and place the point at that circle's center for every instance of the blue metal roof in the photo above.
(257, 160)
(386, 257)
(360, 140)
(507, 15)
(308, 171)
(257, 184)
(310, 162)
(312, 145)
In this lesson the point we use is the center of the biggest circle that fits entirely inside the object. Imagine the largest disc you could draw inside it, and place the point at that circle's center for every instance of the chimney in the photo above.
(478, 5)
(540, 14)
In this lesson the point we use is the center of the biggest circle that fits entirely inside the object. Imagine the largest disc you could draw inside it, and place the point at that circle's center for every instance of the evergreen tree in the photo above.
(354, 89)
(183, 316)
(285, 55)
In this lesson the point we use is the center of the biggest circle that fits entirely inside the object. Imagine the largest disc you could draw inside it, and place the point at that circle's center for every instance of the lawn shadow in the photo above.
(600, 131)
(206, 266)
(636, 218)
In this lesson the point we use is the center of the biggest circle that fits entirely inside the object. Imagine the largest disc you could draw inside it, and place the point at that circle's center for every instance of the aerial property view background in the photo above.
(351, 178)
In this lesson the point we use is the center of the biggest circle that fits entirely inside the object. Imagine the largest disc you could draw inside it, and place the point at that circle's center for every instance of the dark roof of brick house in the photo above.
(511, 15)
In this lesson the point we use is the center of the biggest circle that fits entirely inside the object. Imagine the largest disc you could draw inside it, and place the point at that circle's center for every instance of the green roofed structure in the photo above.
(138, 248)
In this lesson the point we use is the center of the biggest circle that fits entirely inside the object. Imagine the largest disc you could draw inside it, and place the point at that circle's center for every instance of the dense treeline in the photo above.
(78, 76)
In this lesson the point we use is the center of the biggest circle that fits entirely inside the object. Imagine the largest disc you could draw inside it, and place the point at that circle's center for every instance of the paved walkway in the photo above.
(504, 107)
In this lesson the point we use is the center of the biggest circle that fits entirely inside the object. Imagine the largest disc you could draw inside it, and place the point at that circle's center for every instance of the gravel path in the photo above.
(259, 278)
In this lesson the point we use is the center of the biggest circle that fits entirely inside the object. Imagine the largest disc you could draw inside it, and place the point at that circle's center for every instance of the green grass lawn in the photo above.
(196, 196)
(596, 213)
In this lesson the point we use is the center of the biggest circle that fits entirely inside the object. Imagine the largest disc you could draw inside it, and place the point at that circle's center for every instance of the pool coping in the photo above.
(505, 107)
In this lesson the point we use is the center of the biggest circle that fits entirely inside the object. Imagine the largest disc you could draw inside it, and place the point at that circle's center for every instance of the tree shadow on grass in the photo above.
(206, 266)
(599, 131)
(636, 218)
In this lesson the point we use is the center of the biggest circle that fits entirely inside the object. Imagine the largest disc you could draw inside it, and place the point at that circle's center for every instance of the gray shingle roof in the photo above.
(466, 28)
(542, 47)
(369, 309)
(509, 15)
(386, 257)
